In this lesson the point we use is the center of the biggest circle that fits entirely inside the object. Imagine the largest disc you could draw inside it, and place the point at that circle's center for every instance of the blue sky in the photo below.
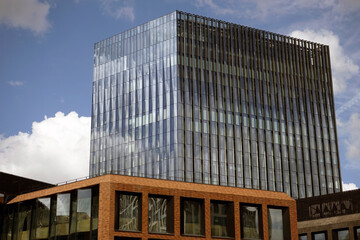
(46, 56)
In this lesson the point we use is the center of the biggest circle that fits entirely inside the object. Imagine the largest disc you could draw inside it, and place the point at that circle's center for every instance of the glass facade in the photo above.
(54, 217)
(190, 98)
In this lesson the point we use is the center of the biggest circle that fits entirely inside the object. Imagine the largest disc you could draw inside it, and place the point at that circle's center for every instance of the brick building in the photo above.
(330, 217)
(123, 207)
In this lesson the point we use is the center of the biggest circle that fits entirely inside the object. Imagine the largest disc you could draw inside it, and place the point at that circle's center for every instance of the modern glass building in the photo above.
(190, 98)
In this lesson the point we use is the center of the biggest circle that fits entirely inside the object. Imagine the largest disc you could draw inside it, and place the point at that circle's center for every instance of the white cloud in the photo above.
(349, 186)
(118, 9)
(343, 68)
(56, 150)
(28, 14)
(16, 83)
(220, 9)
(351, 130)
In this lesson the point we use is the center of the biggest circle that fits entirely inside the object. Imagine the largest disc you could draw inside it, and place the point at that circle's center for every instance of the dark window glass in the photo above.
(94, 213)
(192, 217)
(52, 217)
(22, 222)
(6, 228)
(319, 236)
(42, 218)
(222, 219)
(279, 228)
(357, 233)
(250, 222)
(128, 212)
(303, 237)
(73, 215)
(161, 213)
(341, 234)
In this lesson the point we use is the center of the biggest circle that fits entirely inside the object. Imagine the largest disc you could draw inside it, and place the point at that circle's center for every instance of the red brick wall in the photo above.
(109, 184)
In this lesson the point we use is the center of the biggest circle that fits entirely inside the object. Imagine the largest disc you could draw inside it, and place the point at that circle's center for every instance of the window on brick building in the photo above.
(222, 219)
(251, 224)
(357, 233)
(341, 234)
(128, 211)
(192, 216)
(303, 237)
(319, 236)
(161, 214)
(279, 220)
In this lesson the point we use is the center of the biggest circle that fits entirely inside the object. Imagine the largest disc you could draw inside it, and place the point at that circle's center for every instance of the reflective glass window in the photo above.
(62, 215)
(222, 219)
(279, 228)
(42, 218)
(341, 234)
(83, 210)
(192, 216)
(128, 211)
(161, 212)
(319, 236)
(250, 221)
(22, 221)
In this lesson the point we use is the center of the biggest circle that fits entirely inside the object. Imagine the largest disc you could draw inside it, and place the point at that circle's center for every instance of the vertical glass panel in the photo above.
(6, 227)
(62, 215)
(279, 224)
(42, 218)
(83, 211)
(250, 222)
(160, 214)
(129, 218)
(357, 233)
(319, 236)
(193, 216)
(23, 222)
(94, 213)
(342, 234)
(222, 219)
(73, 215)
(52, 217)
(303, 237)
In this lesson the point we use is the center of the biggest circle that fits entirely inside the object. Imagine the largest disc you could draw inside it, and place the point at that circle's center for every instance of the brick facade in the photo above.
(109, 184)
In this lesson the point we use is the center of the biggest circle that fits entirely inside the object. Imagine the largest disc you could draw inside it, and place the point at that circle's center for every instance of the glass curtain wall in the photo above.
(134, 108)
(190, 98)
(71, 215)
(257, 109)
